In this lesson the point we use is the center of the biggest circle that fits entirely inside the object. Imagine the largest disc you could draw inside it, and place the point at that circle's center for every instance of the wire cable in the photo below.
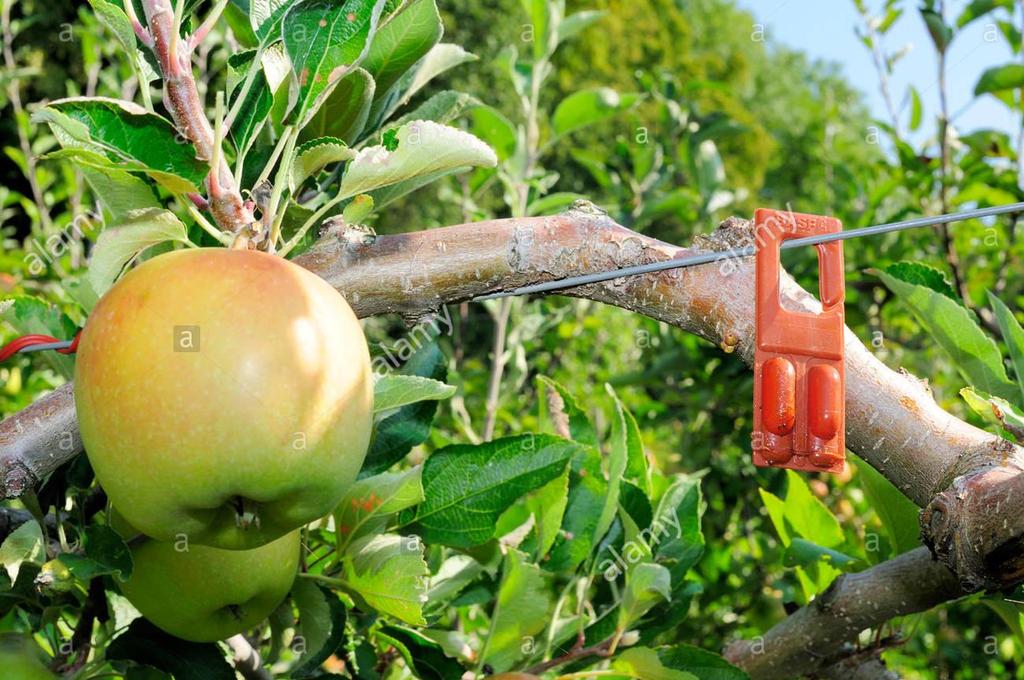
(748, 251)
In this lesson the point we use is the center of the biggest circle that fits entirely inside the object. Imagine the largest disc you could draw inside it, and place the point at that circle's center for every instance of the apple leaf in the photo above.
(440, 58)
(466, 487)
(105, 553)
(897, 513)
(1000, 78)
(119, 192)
(997, 411)
(321, 623)
(345, 111)
(647, 584)
(676, 527)
(573, 24)
(443, 108)
(588, 107)
(403, 39)
(643, 662)
(522, 611)
(118, 246)
(253, 112)
(130, 136)
(396, 434)
(371, 500)
(395, 390)
(388, 572)
(547, 505)
(147, 645)
(419, 148)
(24, 544)
(425, 657)
(324, 42)
(315, 155)
(955, 329)
(587, 491)
(702, 663)
(495, 129)
(454, 574)
(1013, 336)
(30, 316)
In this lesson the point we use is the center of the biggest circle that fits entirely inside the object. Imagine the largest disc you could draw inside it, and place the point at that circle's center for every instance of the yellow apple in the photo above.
(224, 396)
(205, 594)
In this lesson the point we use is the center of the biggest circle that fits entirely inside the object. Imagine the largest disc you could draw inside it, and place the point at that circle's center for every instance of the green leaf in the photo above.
(105, 553)
(588, 107)
(940, 32)
(617, 459)
(259, 100)
(637, 470)
(916, 109)
(371, 500)
(923, 275)
(547, 505)
(954, 328)
(422, 654)
(130, 136)
(388, 572)
(118, 246)
(808, 515)
(897, 513)
(119, 192)
(321, 624)
(777, 513)
(443, 107)
(424, 148)
(802, 553)
(997, 411)
(495, 129)
(675, 530)
(979, 8)
(315, 155)
(573, 24)
(24, 544)
(522, 611)
(395, 390)
(324, 42)
(468, 487)
(395, 435)
(344, 113)
(702, 663)
(1013, 336)
(587, 491)
(114, 18)
(454, 574)
(643, 662)
(999, 79)
(402, 40)
(647, 584)
(147, 645)
(441, 58)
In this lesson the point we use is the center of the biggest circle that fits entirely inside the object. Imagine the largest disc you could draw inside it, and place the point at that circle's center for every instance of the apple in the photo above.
(20, 659)
(206, 594)
(224, 396)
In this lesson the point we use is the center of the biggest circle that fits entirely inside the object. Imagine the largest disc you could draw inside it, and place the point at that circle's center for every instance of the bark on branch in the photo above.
(806, 641)
(892, 421)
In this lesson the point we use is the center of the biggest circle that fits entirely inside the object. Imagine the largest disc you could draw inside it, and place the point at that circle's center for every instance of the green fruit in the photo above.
(20, 659)
(205, 594)
(224, 396)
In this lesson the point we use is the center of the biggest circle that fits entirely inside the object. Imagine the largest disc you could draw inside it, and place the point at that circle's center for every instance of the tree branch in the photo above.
(806, 641)
(181, 97)
(892, 421)
(246, 659)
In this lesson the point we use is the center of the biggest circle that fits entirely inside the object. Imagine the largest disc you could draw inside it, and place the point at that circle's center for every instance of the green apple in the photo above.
(20, 659)
(224, 396)
(205, 594)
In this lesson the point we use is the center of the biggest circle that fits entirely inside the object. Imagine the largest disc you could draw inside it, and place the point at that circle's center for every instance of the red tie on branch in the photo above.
(38, 343)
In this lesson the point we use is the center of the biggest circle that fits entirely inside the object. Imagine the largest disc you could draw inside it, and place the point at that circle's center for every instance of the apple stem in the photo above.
(246, 513)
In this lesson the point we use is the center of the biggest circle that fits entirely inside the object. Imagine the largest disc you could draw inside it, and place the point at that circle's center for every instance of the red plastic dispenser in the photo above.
(799, 373)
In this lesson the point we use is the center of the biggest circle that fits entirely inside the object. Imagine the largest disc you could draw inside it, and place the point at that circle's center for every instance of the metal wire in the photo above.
(748, 251)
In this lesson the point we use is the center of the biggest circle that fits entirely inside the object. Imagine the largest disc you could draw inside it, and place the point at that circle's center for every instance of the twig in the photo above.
(497, 366)
(246, 659)
(602, 649)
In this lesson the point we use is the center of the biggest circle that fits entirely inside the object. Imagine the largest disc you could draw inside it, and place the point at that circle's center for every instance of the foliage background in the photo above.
(785, 130)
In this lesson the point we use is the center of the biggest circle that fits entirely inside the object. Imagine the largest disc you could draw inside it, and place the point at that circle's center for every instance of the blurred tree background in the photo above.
(709, 121)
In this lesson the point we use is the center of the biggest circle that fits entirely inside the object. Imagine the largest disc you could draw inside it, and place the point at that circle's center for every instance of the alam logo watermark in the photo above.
(639, 548)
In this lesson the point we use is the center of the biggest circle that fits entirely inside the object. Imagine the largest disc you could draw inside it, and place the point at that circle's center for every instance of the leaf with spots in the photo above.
(325, 41)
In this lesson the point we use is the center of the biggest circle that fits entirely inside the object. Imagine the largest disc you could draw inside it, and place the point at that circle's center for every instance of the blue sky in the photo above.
(824, 30)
